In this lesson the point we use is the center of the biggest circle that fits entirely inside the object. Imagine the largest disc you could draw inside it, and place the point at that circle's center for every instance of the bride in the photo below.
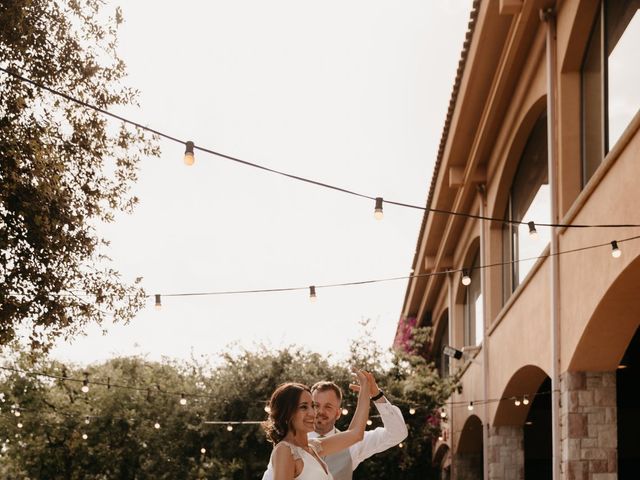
(291, 417)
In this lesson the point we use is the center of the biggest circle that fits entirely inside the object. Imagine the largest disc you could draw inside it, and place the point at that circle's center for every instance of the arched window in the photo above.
(473, 313)
(610, 76)
(529, 200)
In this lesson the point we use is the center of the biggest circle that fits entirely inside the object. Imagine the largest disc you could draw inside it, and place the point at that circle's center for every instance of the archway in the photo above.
(468, 459)
(628, 406)
(538, 463)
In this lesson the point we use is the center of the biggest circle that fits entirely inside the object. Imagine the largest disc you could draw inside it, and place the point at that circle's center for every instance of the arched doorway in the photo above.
(538, 463)
(468, 459)
(628, 403)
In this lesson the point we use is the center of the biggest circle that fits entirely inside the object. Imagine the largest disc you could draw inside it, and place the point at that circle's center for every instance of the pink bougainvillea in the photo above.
(404, 334)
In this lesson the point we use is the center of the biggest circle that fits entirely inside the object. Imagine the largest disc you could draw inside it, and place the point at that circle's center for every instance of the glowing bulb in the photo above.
(158, 302)
(19, 424)
(377, 213)
(533, 233)
(345, 411)
(17, 413)
(86, 420)
(470, 407)
(267, 409)
(156, 426)
(369, 422)
(183, 401)
(189, 158)
(412, 411)
(615, 251)
(312, 293)
(440, 438)
(400, 445)
(229, 428)
(85, 386)
(84, 436)
(525, 400)
(466, 279)
(517, 402)
(443, 414)
(203, 450)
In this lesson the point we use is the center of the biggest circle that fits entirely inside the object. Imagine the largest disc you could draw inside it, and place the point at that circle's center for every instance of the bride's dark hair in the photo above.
(282, 406)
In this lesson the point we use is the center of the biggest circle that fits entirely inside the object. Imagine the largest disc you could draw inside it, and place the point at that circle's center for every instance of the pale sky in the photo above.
(352, 94)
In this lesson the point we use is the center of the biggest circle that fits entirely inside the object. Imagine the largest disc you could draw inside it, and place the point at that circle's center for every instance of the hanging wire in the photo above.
(12, 72)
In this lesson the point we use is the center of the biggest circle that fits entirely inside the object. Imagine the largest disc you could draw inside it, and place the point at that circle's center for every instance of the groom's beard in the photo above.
(323, 424)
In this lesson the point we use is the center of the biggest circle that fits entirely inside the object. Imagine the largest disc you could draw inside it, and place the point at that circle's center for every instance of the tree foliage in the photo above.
(122, 441)
(63, 168)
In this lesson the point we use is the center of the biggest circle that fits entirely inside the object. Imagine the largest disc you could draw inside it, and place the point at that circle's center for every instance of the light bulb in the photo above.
(19, 424)
(156, 426)
(412, 411)
(267, 409)
(400, 445)
(345, 411)
(189, 158)
(84, 436)
(440, 438)
(517, 402)
(183, 401)
(466, 278)
(312, 293)
(533, 233)
(229, 428)
(470, 407)
(158, 302)
(615, 250)
(17, 413)
(85, 386)
(369, 422)
(525, 400)
(443, 414)
(86, 420)
(203, 450)
(377, 213)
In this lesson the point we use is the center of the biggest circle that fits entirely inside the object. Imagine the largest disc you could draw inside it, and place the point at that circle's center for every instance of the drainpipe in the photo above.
(549, 17)
(485, 336)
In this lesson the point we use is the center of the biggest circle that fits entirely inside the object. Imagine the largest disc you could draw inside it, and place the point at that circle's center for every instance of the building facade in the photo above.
(534, 279)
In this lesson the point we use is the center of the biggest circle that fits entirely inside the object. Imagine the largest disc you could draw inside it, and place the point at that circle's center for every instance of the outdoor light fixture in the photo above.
(156, 426)
(86, 420)
(470, 406)
(85, 383)
(466, 277)
(525, 400)
(312, 293)
(452, 352)
(369, 422)
(443, 413)
(615, 251)
(267, 409)
(158, 301)
(84, 436)
(517, 402)
(189, 158)
(345, 411)
(377, 213)
(183, 401)
(229, 428)
(19, 424)
(400, 445)
(203, 450)
(533, 233)
(412, 411)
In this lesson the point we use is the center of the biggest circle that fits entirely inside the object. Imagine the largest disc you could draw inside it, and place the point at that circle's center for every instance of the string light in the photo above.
(466, 278)
(183, 401)
(84, 436)
(17, 413)
(85, 383)
(345, 411)
(267, 409)
(203, 450)
(412, 411)
(533, 233)
(229, 428)
(285, 174)
(189, 158)
(615, 250)
(516, 402)
(156, 426)
(312, 293)
(369, 422)
(400, 445)
(525, 400)
(470, 407)
(158, 301)
(443, 413)
(377, 213)
(86, 420)
(19, 425)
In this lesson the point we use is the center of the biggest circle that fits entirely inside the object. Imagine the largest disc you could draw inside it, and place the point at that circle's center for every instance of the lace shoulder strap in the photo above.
(316, 445)
(295, 451)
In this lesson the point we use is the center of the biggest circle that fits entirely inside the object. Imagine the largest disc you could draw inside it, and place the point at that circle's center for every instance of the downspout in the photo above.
(485, 337)
(549, 17)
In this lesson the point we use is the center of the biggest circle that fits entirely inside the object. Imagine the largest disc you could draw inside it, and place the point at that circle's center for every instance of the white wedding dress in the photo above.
(312, 468)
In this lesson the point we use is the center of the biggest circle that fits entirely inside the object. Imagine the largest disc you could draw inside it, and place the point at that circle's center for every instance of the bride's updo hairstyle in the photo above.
(283, 404)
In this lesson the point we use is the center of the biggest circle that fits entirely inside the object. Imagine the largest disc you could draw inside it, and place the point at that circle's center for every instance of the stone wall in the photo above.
(588, 425)
(506, 453)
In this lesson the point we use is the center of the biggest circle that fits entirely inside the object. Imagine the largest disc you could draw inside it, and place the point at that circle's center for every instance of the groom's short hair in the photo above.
(326, 385)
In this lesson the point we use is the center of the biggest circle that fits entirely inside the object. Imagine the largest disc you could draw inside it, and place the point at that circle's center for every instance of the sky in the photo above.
(352, 94)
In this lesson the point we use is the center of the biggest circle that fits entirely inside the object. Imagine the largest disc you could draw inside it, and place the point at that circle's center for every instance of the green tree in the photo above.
(63, 168)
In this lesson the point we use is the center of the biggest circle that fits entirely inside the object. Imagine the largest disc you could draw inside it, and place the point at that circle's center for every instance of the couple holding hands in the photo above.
(307, 445)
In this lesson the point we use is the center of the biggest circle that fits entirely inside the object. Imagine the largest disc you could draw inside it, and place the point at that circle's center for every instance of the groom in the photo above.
(327, 399)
